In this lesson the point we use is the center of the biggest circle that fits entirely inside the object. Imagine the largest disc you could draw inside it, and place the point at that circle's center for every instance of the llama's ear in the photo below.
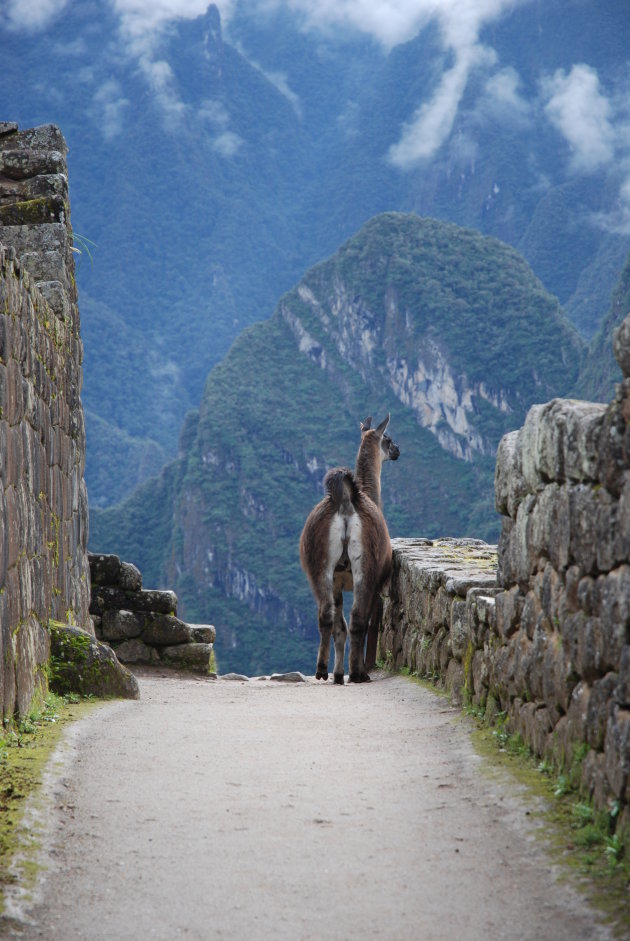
(367, 424)
(383, 425)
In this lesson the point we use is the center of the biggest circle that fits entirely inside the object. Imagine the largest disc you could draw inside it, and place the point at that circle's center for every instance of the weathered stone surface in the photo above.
(623, 684)
(235, 677)
(43, 512)
(617, 751)
(196, 657)
(293, 677)
(147, 601)
(559, 442)
(19, 164)
(550, 643)
(81, 664)
(509, 484)
(120, 625)
(203, 633)
(108, 570)
(166, 630)
(135, 650)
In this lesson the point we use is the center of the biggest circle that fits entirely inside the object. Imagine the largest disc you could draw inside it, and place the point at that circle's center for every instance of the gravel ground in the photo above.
(263, 810)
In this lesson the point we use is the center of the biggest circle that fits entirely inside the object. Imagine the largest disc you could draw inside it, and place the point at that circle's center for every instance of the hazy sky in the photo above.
(594, 121)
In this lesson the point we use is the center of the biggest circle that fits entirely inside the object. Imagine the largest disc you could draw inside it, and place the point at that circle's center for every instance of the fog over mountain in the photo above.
(216, 154)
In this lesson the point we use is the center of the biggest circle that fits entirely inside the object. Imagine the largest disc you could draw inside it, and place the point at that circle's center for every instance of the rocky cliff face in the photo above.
(426, 312)
(43, 501)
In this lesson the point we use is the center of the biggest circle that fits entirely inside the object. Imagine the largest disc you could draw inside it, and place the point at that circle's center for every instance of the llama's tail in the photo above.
(342, 488)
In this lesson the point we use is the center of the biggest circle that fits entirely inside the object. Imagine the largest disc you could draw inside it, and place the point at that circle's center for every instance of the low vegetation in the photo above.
(25, 748)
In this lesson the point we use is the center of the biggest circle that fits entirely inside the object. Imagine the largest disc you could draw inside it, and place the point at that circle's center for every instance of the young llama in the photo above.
(345, 546)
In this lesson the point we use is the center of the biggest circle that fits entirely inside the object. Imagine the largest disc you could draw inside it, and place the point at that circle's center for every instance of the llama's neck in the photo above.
(368, 470)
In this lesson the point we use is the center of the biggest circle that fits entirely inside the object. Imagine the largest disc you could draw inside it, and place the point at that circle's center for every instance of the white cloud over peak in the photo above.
(140, 18)
(577, 107)
(109, 106)
(502, 94)
(432, 122)
(30, 15)
(596, 126)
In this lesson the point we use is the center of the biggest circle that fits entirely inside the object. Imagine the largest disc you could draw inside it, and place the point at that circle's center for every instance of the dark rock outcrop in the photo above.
(142, 625)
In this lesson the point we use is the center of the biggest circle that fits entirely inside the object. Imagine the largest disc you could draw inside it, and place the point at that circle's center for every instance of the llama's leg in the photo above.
(376, 619)
(340, 631)
(358, 627)
(325, 624)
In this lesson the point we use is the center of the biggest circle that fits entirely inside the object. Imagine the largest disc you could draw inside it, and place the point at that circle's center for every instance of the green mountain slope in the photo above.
(447, 330)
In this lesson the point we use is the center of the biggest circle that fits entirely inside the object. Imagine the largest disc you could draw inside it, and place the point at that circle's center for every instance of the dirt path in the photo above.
(260, 810)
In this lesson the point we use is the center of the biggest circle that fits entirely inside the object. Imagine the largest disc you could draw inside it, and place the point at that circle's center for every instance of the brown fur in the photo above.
(349, 523)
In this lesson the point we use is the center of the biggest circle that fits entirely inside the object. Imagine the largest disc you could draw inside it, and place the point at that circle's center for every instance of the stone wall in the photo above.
(141, 625)
(43, 503)
(548, 643)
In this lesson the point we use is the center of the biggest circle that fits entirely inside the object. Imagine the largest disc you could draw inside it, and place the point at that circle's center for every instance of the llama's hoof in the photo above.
(338, 679)
(320, 675)
(359, 678)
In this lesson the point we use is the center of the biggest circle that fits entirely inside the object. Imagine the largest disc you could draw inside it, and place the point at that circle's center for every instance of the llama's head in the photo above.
(388, 450)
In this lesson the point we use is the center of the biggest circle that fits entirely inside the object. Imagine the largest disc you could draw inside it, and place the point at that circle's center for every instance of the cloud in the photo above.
(583, 115)
(460, 23)
(142, 18)
(596, 126)
(502, 95)
(159, 77)
(227, 143)
(214, 113)
(432, 122)
(109, 107)
(31, 15)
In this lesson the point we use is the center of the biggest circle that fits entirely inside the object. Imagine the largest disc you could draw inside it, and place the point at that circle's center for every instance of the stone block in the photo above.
(460, 635)
(195, 657)
(617, 751)
(203, 633)
(601, 701)
(594, 781)
(559, 678)
(570, 730)
(583, 510)
(165, 630)
(135, 650)
(614, 597)
(120, 625)
(530, 613)
(20, 164)
(145, 601)
(565, 440)
(623, 685)
(455, 682)
(508, 605)
(509, 484)
(528, 444)
(621, 549)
